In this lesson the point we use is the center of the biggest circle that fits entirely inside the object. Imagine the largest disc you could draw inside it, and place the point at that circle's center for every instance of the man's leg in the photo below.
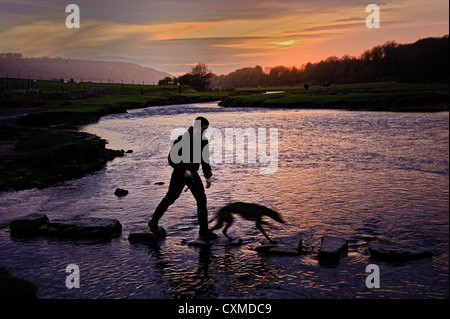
(198, 191)
(177, 183)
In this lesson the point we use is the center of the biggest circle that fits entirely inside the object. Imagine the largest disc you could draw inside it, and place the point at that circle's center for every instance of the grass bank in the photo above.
(385, 96)
(38, 158)
(54, 149)
(74, 104)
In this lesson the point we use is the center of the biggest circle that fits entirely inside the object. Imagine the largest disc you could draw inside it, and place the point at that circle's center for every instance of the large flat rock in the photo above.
(143, 235)
(394, 252)
(332, 248)
(198, 242)
(226, 242)
(280, 249)
(82, 228)
(220, 241)
(27, 225)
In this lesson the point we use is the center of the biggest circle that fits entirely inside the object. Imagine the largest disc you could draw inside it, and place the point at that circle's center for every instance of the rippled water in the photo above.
(360, 175)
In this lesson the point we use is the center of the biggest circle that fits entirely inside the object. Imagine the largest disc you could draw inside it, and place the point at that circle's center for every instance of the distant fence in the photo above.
(82, 93)
(21, 96)
(34, 95)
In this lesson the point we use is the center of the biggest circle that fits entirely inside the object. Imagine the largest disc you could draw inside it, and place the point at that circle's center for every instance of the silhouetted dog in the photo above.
(248, 211)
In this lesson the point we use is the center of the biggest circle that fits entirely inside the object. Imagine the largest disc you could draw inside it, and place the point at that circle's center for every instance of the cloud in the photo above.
(171, 34)
(169, 11)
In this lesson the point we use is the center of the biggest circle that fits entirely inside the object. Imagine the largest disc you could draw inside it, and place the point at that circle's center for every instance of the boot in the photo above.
(153, 225)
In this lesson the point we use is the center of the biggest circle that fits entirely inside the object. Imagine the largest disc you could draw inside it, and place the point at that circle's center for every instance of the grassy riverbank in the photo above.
(73, 104)
(384, 96)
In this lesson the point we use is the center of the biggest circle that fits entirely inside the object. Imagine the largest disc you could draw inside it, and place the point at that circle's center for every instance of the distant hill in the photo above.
(13, 65)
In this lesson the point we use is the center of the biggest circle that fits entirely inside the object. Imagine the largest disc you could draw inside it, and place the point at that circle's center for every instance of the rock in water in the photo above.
(389, 251)
(332, 248)
(28, 225)
(280, 249)
(82, 228)
(120, 192)
(199, 243)
(235, 242)
(145, 236)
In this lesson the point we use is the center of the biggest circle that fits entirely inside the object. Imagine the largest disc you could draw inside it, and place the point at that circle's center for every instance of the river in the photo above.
(364, 176)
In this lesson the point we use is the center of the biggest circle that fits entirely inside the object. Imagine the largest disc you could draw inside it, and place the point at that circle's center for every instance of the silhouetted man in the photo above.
(188, 152)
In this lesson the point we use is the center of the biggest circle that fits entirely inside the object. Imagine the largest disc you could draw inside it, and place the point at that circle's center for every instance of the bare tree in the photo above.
(200, 69)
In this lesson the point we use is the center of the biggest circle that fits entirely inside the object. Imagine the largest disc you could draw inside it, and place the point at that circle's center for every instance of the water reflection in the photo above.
(211, 273)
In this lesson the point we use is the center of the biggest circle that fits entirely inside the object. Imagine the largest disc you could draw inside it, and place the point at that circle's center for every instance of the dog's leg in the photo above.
(218, 225)
(224, 231)
(258, 225)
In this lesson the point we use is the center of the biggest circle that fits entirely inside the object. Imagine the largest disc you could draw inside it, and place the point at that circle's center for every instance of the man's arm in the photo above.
(205, 165)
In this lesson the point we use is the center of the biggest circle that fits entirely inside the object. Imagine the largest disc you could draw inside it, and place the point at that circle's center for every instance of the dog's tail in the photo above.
(216, 216)
(274, 215)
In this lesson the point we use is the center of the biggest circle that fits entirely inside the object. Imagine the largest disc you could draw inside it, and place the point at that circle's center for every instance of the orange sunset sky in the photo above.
(173, 35)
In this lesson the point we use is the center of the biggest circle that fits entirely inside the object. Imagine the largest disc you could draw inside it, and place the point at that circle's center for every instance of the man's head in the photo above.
(201, 122)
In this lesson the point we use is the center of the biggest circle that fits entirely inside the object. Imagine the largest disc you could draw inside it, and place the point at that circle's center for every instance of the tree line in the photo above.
(426, 60)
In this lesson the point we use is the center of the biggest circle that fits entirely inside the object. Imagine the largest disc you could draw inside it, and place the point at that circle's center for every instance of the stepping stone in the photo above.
(332, 249)
(235, 242)
(82, 228)
(198, 242)
(145, 236)
(280, 249)
(393, 252)
(28, 225)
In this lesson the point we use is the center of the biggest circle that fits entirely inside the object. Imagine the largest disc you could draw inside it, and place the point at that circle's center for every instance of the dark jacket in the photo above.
(186, 141)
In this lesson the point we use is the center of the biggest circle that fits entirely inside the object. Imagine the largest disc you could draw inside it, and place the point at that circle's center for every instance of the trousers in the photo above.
(177, 183)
